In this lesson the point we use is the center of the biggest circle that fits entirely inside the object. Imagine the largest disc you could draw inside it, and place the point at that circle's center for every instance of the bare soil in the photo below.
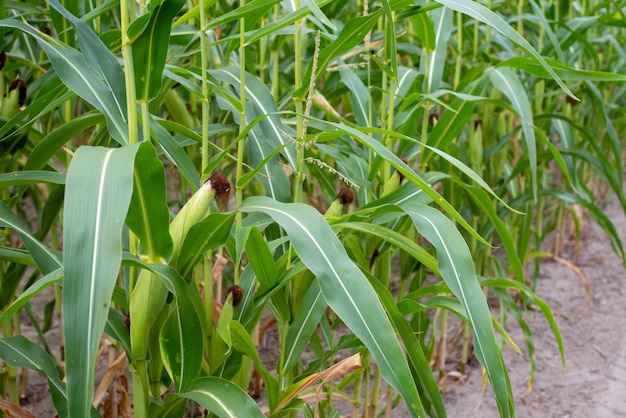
(594, 381)
(594, 332)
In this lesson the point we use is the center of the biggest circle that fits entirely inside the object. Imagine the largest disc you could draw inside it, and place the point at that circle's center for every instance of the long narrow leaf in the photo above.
(20, 178)
(223, 398)
(151, 47)
(259, 95)
(417, 357)
(98, 192)
(564, 71)
(395, 161)
(436, 59)
(457, 269)
(311, 309)
(76, 74)
(52, 143)
(175, 153)
(148, 215)
(508, 83)
(204, 236)
(345, 288)
(29, 293)
(98, 56)
(483, 14)
(47, 261)
(18, 351)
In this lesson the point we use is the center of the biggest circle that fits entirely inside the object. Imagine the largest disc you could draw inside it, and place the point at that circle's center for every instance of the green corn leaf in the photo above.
(52, 143)
(452, 121)
(345, 289)
(210, 233)
(424, 30)
(170, 344)
(461, 166)
(150, 49)
(396, 239)
(360, 95)
(391, 51)
(242, 342)
(436, 59)
(148, 216)
(262, 130)
(261, 260)
(408, 191)
(98, 192)
(514, 307)
(263, 103)
(172, 406)
(457, 269)
(614, 142)
(184, 78)
(223, 322)
(137, 26)
(98, 56)
(116, 329)
(51, 210)
(543, 306)
(20, 178)
(397, 163)
(453, 305)
(243, 181)
(311, 309)
(566, 142)
(17, 256)
(545, 26)
(504, 231)
(281, 23)
(47, 260)
(599, 160)
(38, 286)
(424, 377)
(483, 14)
(175, 153)
(223, 398)
(18, 351)
(255, 7)
(75, 72)
(507, 82)
(564, 71)
(406, 78)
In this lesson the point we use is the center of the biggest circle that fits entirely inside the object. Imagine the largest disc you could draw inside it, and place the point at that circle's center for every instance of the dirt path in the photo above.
(594, 383)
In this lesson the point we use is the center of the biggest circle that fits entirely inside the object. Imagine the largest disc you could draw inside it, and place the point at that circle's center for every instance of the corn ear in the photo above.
(146, 303)
(392, 184)
(194, 211)
(334, 210)
(155, 365)
(198, 208)
(345, 197)
(10, 104)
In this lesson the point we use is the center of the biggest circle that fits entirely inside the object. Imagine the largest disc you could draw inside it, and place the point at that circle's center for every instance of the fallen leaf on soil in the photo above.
(14, 411)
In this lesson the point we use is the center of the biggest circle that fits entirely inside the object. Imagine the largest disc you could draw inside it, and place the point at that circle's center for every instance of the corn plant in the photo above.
(180, 171)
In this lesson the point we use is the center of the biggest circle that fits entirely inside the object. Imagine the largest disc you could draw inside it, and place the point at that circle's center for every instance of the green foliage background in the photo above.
(457, 127)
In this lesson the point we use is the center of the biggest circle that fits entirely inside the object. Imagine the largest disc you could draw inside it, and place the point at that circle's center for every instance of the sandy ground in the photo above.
(594, 382)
